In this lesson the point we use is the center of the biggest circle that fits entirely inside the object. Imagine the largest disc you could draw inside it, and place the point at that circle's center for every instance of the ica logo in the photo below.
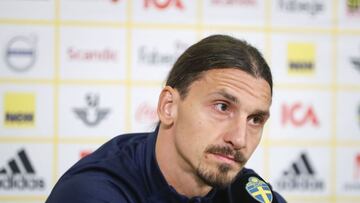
(163, 4)
(298, 115)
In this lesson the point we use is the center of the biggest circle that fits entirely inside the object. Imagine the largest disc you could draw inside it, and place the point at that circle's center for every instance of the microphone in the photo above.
(248, 187)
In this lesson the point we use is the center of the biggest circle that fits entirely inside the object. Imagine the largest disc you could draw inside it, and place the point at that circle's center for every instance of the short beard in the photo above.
(221, 177)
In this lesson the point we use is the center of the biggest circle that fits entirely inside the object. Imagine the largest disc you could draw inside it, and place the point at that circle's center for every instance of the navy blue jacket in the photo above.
(125, 170)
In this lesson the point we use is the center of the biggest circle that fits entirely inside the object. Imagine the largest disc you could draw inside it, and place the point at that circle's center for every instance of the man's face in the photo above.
(219, 124)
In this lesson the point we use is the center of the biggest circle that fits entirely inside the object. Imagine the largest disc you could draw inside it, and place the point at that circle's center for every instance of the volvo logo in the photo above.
(20, 54)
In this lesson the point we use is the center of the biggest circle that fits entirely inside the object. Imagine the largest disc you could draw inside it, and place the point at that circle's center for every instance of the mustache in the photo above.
(227, 151)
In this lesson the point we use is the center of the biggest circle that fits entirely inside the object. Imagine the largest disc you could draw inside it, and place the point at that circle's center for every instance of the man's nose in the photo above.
(236, 133)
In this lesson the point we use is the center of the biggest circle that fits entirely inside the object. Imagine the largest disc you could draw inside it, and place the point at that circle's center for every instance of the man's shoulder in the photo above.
(123, 152)
(112, 170)
(89, 189)
(120, 144)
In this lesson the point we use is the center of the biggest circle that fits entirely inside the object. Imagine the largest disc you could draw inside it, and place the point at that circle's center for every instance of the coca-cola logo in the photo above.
(146, 113)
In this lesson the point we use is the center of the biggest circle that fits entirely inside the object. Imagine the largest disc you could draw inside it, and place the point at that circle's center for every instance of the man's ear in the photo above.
(167, 105)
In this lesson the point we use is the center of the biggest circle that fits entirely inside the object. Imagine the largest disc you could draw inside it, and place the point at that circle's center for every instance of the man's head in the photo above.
(217, 52)
(214, 107)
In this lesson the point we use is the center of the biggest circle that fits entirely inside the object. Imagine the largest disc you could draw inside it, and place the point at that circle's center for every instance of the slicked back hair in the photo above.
(217, 52)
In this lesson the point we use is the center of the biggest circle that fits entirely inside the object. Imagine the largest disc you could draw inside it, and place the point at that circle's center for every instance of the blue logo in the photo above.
(259, 190)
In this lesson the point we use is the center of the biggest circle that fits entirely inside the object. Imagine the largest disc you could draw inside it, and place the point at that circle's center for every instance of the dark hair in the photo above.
(217, 52)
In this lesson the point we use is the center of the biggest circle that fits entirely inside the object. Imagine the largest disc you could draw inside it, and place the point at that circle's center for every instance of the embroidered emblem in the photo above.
(259, 190)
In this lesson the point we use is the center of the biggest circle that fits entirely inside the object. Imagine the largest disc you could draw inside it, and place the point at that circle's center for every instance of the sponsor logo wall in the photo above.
(75, 73)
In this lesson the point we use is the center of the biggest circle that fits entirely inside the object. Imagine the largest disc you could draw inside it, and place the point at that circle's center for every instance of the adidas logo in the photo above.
(19, 174)
(300, 176)
(300, 167)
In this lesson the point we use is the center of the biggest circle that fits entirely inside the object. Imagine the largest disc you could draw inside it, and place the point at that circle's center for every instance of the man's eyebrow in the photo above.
(262, 113)
(235, 100)
(228, 96)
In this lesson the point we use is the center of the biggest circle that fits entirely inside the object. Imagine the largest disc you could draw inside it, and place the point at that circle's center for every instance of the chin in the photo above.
(220, 176)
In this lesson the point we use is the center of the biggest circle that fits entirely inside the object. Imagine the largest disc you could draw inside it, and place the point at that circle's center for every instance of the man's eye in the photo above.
(257, 120)
(222, 107)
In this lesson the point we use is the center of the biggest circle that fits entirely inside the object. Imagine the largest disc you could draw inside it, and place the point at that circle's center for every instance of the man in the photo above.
(212, 112)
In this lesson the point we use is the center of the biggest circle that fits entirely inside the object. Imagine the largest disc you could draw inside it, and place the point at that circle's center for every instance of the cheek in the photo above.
(254, 132)
(254, 140)
(193, 122)
(195, 130)
(190, 137)
(195, 143)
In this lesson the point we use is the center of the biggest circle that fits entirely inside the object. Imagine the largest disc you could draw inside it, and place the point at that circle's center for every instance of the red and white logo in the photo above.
(298, 114)
(357, 167)
(146, 113)
(84, 153)
(349, 177)
(103, 55)
(164, 4)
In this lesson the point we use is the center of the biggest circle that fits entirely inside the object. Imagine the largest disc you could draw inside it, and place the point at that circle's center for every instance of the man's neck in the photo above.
(177, 172)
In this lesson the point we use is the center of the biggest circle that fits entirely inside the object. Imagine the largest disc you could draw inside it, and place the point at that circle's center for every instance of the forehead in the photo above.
(234, 81)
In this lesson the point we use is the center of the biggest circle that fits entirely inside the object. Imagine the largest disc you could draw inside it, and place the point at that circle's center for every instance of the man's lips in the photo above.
(225, 158)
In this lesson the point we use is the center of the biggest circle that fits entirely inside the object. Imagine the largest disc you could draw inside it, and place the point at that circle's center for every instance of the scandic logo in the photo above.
(300, 176)
(19, 109)
(301, 58)
(104, 55)
(164, 4)
(298, 115)
(19, 174)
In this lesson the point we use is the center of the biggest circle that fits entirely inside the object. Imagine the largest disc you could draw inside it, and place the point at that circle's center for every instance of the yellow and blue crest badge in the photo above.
(259, 190)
